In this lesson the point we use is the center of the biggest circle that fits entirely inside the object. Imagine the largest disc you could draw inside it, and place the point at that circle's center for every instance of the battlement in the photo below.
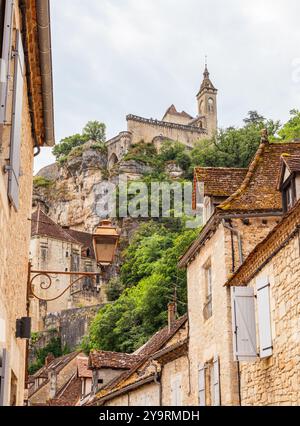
(165, 124)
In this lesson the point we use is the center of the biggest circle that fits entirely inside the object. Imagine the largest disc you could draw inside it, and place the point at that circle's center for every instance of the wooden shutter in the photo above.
(201, 385)
(4, 377)
(216, 382)
(15, 143)
(176, 391)
(264, 317)
(243, 323)
(5, 59)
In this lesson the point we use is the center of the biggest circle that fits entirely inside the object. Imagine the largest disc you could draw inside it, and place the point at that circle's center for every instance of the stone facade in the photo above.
(14, 219)
(80, 318)
(275, 380)
(174, 126)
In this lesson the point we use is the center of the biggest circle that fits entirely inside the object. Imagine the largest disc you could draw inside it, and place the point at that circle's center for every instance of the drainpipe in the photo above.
(157, 380)
(239, 238)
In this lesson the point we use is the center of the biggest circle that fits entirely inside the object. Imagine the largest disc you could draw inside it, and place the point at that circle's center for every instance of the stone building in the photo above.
(56, 248)
(266, 290)
(51, 380)
(159, 371)
(174, 126)
(232, 230)
(26, 124)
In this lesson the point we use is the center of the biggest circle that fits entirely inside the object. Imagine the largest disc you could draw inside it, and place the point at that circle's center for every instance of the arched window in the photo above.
(210, 105)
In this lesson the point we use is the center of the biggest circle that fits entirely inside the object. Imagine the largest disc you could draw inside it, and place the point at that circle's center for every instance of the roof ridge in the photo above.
(261, 149)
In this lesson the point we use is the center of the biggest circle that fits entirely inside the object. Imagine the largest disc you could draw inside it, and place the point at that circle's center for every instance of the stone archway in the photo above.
(113, 160)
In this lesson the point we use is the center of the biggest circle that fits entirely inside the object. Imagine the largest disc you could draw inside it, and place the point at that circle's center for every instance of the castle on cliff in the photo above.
(175, 125)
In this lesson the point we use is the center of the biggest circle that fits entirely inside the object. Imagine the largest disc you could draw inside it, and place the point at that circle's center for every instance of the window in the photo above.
(207, 310)
(289, 195)
(210, 105)
(209, 383)
(244, 321)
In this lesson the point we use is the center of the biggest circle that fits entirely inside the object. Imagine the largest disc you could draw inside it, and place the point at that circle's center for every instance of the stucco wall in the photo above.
(276, 380)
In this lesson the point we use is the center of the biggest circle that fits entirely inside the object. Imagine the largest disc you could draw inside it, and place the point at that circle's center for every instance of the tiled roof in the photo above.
(84, 238)
(69, 395)
(42, 225)
(82, 367)
(114, 360)
(258, 191)
(57, 364)
(153, 345)
(270, 246)
(173, 111)
(219, 181)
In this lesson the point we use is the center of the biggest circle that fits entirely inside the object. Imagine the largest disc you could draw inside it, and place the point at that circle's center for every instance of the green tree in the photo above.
(291, 130)
(95, 131)
(142, 308)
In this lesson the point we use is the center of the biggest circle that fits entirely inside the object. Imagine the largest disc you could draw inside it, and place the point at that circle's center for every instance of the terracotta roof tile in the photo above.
(266, 249)
(153, 345)
(219, 181)
(82, 367)
(114, 360)
(259, 191)
(69, 395)
(42, 225)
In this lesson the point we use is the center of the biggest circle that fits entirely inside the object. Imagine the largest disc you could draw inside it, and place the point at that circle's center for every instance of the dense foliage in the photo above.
(150, 276)
(149, 273)
(54, 347)
(93, 130)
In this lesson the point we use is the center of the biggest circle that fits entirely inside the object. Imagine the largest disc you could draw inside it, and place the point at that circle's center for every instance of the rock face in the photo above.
(70, 199)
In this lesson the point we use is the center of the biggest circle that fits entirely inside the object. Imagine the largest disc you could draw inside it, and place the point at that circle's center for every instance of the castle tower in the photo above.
(207, 104)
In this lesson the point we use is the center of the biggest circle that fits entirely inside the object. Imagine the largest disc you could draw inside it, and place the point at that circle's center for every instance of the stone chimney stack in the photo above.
(171, 314)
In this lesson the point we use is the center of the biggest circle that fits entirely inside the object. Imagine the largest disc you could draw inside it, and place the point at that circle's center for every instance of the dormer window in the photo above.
(289, 181)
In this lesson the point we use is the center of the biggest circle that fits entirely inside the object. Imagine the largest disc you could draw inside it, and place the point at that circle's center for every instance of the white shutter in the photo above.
(201, 385)
(264, 317)
(216, 382)
(15, 143)
(176, 396)
(5, 59)
(4, 378)
(243, 323)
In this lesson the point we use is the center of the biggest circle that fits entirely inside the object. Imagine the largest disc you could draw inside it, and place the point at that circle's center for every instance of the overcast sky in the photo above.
(115, 57)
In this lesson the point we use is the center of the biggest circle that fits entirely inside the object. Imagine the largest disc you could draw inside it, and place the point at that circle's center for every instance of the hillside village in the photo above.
(142, 311)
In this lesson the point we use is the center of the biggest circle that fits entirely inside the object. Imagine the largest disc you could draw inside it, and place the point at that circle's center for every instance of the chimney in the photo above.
(49, 358)
(171, 314)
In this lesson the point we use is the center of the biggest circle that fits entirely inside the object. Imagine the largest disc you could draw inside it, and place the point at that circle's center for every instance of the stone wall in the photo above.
(145, 396)
(215, 333)
(72, 324)
(14, 243)
(147, 130)
(275, 380)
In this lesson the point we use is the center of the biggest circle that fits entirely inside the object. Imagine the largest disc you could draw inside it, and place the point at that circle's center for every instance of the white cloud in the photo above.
(113, 57)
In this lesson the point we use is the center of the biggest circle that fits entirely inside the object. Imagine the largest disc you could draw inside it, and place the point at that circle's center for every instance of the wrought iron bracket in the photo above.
(49, 276)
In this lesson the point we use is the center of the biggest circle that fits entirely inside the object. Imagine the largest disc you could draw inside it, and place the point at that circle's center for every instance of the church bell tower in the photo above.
(207, 104)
